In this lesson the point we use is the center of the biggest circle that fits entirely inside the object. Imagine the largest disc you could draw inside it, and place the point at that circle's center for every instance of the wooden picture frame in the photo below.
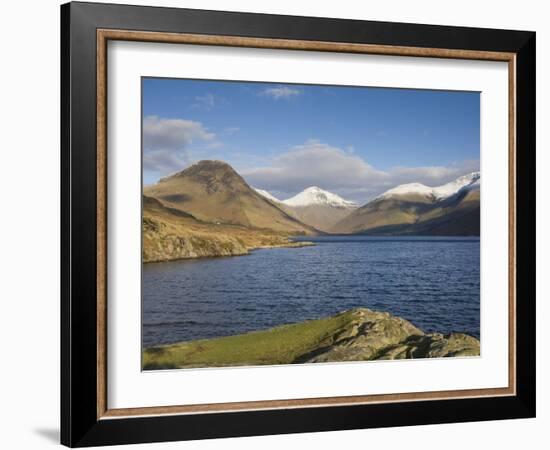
(86, 418)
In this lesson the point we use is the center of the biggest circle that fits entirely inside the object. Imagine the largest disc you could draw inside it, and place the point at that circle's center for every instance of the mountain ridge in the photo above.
(450, 209)
(437, 193)
(212, 191)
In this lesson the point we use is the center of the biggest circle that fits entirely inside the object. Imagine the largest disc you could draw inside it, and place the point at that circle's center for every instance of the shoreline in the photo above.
(290, 244)
(242, 249)
(359, 334)
(244, 252)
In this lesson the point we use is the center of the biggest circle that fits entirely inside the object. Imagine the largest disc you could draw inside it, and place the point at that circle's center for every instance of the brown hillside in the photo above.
(455, 216)
(170, 234)
(213, 192)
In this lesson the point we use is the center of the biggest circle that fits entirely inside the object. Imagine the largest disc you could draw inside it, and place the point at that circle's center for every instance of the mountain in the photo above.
(213, 192)
(451, 209)
(316, 196)
(170, 234)
(433, 193)
(267, 195)
(314, 206)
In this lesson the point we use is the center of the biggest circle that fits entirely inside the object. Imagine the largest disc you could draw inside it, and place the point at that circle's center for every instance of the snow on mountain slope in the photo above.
(316, 196)
(473, 186)
(439, 192)
(267, 195)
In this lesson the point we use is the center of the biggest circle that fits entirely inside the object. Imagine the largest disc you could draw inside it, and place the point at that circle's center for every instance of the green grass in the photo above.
(279, 345)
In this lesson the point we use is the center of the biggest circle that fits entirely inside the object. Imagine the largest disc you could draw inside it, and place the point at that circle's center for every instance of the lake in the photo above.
(431, 281)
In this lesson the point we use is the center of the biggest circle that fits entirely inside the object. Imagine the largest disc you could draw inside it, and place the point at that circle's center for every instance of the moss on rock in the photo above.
(356, 335)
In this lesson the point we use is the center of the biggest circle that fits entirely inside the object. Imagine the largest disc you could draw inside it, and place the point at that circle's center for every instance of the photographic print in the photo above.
(292, 224)
(273, 224)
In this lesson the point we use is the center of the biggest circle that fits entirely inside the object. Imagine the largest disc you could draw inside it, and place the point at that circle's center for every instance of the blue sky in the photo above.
(355, 141)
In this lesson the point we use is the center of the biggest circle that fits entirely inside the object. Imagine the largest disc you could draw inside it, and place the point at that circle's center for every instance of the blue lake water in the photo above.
(431, 281)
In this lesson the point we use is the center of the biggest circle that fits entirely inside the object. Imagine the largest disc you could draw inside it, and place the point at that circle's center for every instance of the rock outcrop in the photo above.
(371, 335)
(163, 244)
(356, 335)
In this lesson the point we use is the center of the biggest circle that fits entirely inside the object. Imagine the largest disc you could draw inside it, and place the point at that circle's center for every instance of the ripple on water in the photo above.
(432, 282)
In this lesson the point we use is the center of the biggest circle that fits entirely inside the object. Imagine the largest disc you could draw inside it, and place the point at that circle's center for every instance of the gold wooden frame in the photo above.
(104, 35)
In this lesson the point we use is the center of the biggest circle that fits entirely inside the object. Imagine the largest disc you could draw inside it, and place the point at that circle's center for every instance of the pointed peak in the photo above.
(210, 163)
(314, 195)
(202, 166)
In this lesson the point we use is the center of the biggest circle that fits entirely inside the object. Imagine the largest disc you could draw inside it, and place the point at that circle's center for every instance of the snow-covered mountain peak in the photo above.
(453, 187)
(267, 195)
(437, 193)
(314, 195)
(410, 188)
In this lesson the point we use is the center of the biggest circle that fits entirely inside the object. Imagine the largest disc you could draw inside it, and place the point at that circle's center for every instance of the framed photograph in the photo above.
(276, 224)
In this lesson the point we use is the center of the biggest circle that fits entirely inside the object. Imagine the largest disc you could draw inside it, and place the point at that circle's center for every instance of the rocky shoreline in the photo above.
(170, 235)
(173, 247)
(355, 335)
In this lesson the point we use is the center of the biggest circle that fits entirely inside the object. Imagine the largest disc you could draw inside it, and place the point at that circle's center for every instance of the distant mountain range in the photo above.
(315, 206)
(213, 192)
(451, 209)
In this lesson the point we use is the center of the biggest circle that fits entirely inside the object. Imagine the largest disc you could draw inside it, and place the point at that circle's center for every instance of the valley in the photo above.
(208, 209)
(289, 223)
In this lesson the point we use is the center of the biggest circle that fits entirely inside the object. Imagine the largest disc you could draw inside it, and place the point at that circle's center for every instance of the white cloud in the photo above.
(430, 175)
(283, 92)
(165, 161)
(345, 173)
(313, 163)
(172, 133)
(207, 101)
(166, 142)
(231, 130)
